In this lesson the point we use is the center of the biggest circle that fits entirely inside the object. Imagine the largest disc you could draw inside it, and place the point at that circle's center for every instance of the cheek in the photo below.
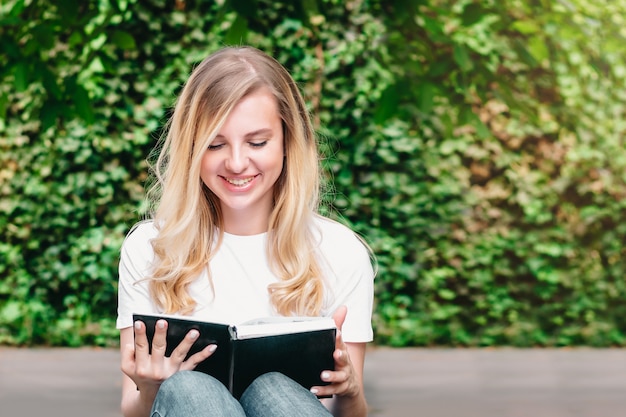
(279, 156)
(206, 168)
(278, 163)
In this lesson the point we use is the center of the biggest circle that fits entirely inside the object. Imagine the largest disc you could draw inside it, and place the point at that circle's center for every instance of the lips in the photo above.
(238, 182)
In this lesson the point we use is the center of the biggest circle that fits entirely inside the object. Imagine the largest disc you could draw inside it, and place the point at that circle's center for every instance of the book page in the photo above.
(271, 326)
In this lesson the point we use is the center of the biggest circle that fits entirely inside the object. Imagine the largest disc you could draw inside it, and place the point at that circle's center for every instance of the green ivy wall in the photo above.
(479, 146)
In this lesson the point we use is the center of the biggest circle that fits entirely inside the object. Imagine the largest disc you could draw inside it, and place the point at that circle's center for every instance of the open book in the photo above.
(299, 347)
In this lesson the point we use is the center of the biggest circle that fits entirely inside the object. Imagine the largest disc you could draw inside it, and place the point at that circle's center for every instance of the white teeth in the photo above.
(238, 182)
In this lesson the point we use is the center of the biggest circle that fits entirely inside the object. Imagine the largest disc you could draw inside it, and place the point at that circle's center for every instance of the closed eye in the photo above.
(215, 147)
(258, 144)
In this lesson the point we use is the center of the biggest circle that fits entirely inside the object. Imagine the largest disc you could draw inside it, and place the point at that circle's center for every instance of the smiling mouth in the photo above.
(238, 182)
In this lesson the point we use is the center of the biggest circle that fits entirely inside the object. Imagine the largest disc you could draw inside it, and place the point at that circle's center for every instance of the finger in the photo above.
(180, 352)
(159, 342)
(340, 316)
(141, 341)
(338, 384)
(334, 377)
(143, 359)
(324, 391)
(341, 351)
(341, 357)
(195, 359)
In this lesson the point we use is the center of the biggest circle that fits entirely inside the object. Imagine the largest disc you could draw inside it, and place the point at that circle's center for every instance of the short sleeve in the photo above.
(136, 256)
(349, 277)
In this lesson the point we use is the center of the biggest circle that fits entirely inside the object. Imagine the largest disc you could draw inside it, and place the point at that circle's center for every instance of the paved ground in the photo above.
(400, 382)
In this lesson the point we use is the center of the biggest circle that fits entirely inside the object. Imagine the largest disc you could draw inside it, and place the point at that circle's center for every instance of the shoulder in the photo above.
(338, 242)
(139, 237)
(329, 227)
(142, 229)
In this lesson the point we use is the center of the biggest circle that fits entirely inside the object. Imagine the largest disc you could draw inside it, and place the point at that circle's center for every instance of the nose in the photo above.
(237, 160)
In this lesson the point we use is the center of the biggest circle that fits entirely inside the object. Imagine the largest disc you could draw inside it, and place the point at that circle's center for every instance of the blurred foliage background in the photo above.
(478, 145)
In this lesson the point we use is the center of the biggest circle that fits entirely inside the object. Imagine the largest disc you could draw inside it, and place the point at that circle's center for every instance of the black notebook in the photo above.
(299, 347)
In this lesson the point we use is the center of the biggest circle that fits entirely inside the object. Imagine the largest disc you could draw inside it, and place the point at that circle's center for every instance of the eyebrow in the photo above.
(249, 135)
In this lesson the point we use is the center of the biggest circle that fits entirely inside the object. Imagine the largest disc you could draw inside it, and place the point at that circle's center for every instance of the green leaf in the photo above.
(434, 27)
(245, 8)
(123, 40)
(238, 31)
(462, 58)
(538, 48)
(45, 37)
(69, 9)
(11, 21)
(49, 114)
(387, 105)
(526, 27)
(426, 95)
(49, 82)
(18, 8)
(4, 102)
(11, 312)
(446, 294)
(21, 73)
(472, 14)
(10, 48)
(82, 104)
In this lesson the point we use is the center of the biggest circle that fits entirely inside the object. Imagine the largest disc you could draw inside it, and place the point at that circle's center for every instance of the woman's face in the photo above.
(244, 161)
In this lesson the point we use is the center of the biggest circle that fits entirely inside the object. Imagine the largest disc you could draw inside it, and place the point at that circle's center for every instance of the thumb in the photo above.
(340, 316)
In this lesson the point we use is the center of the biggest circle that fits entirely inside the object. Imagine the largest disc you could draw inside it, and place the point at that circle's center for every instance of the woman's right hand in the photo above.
(149, 370)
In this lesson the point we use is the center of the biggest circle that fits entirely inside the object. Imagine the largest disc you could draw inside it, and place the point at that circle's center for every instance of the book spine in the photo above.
(231, 365)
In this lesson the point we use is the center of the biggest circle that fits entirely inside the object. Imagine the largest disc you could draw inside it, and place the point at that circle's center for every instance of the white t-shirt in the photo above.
(241, 274)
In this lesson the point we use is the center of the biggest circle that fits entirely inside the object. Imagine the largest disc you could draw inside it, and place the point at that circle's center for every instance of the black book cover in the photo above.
(301, 355)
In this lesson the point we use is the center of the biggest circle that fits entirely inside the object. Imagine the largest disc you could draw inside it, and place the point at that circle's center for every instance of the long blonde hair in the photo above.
(188, 214)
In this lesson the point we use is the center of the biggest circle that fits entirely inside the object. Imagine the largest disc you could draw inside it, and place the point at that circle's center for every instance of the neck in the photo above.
(244, 224)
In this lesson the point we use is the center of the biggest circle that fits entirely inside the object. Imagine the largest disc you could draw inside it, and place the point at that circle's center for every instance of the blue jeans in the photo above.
(195, 394)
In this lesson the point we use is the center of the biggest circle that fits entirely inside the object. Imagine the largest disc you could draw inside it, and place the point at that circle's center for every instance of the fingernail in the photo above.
(161, 324)
(340, 353)
(194, 334)
(325, 375)
(314, 390)
(138, 325)
(212, 348)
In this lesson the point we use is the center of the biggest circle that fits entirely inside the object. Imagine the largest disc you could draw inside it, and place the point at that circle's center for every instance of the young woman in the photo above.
(235, 236)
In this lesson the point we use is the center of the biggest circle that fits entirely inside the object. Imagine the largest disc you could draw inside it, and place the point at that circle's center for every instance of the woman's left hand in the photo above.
(345, 380)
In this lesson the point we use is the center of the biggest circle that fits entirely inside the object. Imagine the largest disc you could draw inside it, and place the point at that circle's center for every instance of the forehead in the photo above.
(258, 110)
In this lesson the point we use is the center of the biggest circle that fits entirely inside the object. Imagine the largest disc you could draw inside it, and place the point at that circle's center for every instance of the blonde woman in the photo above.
(235, 236)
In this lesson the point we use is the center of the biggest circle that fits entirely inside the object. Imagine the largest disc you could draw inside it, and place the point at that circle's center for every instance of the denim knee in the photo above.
(274, 394)
(190, 393)
(271, 380)
(189, 383)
